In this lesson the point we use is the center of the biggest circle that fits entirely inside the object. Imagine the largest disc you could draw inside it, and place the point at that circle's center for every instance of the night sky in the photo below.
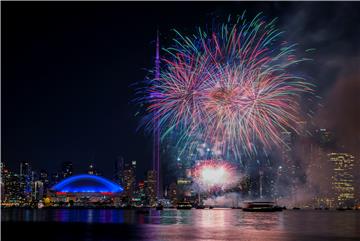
(68, 70)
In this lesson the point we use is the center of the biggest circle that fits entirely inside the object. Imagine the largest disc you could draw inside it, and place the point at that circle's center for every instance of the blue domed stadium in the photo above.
(87, 184)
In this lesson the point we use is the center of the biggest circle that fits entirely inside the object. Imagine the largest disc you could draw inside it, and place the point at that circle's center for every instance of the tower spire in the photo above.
(157, 58)
(156, 144)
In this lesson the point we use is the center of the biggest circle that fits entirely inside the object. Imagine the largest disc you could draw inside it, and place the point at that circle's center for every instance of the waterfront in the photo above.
(172, 224)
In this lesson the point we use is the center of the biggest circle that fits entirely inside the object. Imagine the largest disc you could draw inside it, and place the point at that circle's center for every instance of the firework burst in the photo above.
(212, 174)
(233, 86)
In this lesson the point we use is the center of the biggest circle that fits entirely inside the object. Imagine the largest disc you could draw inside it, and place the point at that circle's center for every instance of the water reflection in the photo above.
(215, 224)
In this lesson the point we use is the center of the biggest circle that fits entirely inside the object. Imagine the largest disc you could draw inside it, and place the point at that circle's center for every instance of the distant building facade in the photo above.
(151, 185)
(67, 169)
(342, 178)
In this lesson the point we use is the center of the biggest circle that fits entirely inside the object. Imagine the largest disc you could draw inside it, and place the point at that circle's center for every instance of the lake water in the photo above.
(172, 224)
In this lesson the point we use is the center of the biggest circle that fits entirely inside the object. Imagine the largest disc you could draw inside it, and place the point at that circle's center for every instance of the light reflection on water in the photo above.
(216, 224)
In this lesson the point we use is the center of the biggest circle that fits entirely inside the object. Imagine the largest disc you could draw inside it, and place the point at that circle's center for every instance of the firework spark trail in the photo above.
(233, 87)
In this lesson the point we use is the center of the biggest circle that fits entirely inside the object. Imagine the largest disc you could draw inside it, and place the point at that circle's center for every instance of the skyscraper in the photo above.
(119, 170)
(342, 178)
(44, 178)
(26, 179)
(92, 170)
(2, 181)
(129, 179)
(151, 187)
(55, 178)
(172, 193)
(10, 186)
(38, 192)
(67, 169)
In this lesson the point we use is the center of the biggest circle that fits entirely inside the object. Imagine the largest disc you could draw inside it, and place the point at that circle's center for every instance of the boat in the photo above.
(40, 204)
(341, 209)
(296, 208)
(200, 207)
(159, 207)
(211, 207)
(184, 205)
(261, 207)
(143, 211)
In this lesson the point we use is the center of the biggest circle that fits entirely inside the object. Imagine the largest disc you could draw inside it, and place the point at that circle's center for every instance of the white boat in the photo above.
(261, 207)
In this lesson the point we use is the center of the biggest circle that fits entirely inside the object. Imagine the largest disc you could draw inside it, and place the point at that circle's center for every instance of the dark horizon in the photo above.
(69, 70)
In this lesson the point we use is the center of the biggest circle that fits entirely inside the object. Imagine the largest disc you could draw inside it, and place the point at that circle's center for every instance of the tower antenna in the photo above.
(156, 141)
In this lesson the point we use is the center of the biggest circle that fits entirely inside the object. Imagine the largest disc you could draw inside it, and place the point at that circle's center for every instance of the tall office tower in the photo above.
(44, 178)
(4, 172)
(55, 178)
(129, 179)
(323, 142)
(92, 170)
(286, 169)
(10, 184)
(286, 152)
(141, 194)
(26, 179)
(151, 188)
(324, 137)
(172, 193)
(38, 190)
(156, 132)
(67, 169)
(2, 186)
(5, 180)
(119, 170)
(342, 179)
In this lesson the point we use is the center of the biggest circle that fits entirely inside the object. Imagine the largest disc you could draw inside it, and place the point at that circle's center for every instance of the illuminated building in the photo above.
(151, 188)
(86, 189)
(119, 170)
(183, 181)
(141, 190)
(10, 183)
(139, 197)
(322, 142)
(3, 173)
(55, 178)
(324, 137)
(44, 178)
(129, 179)
(67, 169)
(342, 179)
(172, 193)
(38, 190)
(26, 179)
(92, 170)
(288, 164)
(184, 189)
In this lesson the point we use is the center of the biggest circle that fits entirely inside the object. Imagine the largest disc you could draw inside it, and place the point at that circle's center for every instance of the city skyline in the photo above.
(94, 137)
(180, 120)
(332, 184)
